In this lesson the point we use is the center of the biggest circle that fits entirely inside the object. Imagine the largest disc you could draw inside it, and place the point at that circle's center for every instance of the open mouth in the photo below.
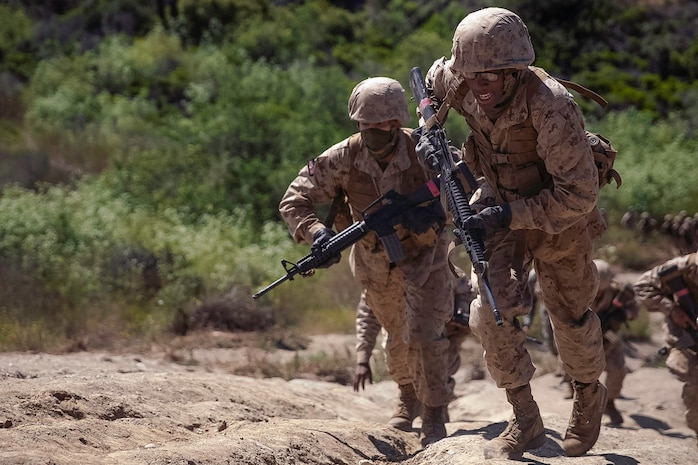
(484, 97)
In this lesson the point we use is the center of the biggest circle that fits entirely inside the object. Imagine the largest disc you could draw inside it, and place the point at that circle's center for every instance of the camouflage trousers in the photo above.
(568, 280)
(414, 319)
(455, 334)
(614, 347)
(683, 364)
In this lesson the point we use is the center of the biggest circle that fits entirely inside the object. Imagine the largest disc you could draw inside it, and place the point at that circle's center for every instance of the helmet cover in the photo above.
(491, 39)
(378, 99)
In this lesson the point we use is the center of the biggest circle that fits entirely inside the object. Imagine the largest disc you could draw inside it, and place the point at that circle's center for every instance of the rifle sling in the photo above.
(584, 91)
(337, 202)
(456, 270)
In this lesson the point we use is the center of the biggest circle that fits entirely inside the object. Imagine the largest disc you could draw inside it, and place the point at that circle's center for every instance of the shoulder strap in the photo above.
(584, 91)
(411, 148)
(339, 199)
(337, 203)
(354, 145)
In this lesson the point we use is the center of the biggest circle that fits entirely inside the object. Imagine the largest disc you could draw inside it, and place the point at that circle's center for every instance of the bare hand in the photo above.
(361, 375)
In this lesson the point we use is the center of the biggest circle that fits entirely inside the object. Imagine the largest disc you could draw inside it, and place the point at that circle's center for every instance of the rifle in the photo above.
(673, 279)
(450, 176)
(381, 220)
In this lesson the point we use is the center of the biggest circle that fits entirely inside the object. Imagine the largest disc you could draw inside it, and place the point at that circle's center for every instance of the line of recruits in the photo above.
(537, 207)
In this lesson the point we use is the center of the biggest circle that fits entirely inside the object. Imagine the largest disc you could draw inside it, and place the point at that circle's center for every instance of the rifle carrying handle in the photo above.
(424, 103)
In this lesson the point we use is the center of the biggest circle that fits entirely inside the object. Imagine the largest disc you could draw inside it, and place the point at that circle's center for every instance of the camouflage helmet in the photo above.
(491, 39)
(378, 99)
(605, 274)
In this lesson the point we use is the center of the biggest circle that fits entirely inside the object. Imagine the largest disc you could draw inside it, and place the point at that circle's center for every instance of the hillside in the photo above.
(142, 408)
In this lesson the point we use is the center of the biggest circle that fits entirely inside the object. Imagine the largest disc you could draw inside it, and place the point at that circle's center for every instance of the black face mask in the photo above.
(381, 144)
(376, 139)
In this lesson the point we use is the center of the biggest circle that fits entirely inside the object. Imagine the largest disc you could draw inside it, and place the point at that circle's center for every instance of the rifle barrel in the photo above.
(271, 286)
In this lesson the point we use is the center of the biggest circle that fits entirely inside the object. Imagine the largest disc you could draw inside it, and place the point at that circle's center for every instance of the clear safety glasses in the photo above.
(486, 75)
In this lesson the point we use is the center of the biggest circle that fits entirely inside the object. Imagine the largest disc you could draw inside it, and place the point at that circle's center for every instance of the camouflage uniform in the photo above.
(557, 226)
(681, 360)
(606, 304)
(411, 299)
(535, 160)
(368, 327)
(538, 306)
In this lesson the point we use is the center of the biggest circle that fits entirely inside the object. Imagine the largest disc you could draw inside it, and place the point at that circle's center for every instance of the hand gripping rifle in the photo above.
(381, 220)
(440, 160)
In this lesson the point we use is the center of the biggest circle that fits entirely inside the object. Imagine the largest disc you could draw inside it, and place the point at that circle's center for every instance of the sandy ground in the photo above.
(145, 408)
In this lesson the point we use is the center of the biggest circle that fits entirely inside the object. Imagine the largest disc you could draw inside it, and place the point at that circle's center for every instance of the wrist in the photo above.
(313, 230)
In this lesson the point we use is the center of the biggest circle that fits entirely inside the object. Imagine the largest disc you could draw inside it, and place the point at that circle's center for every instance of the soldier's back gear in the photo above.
(491, 39)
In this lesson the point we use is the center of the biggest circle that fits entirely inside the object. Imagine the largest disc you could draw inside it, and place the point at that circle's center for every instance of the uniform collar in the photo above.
(400, 161)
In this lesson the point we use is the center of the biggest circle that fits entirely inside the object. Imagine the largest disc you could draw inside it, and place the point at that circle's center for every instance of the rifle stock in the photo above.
(382, 220)
(458, 202)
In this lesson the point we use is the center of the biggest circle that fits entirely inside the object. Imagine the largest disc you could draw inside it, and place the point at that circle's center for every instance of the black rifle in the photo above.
(451, 173)
(381, 220)
(673, 279)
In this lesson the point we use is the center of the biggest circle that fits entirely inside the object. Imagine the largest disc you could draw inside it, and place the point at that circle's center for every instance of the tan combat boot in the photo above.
(613, 413)
(585, 421)
(407, 409)
(434, 424)
(525, 430)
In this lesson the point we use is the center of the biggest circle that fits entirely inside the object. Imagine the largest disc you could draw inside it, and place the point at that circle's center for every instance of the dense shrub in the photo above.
(177, 131)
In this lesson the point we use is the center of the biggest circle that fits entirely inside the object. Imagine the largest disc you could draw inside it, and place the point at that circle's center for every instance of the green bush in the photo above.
(90, 247)
(656, 161)
(193, 124)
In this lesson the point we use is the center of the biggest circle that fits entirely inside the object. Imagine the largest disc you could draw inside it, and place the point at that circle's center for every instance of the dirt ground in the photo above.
(183, 406)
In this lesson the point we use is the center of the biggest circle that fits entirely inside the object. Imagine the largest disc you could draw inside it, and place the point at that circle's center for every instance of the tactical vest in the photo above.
(520, 173)
(364, 192)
